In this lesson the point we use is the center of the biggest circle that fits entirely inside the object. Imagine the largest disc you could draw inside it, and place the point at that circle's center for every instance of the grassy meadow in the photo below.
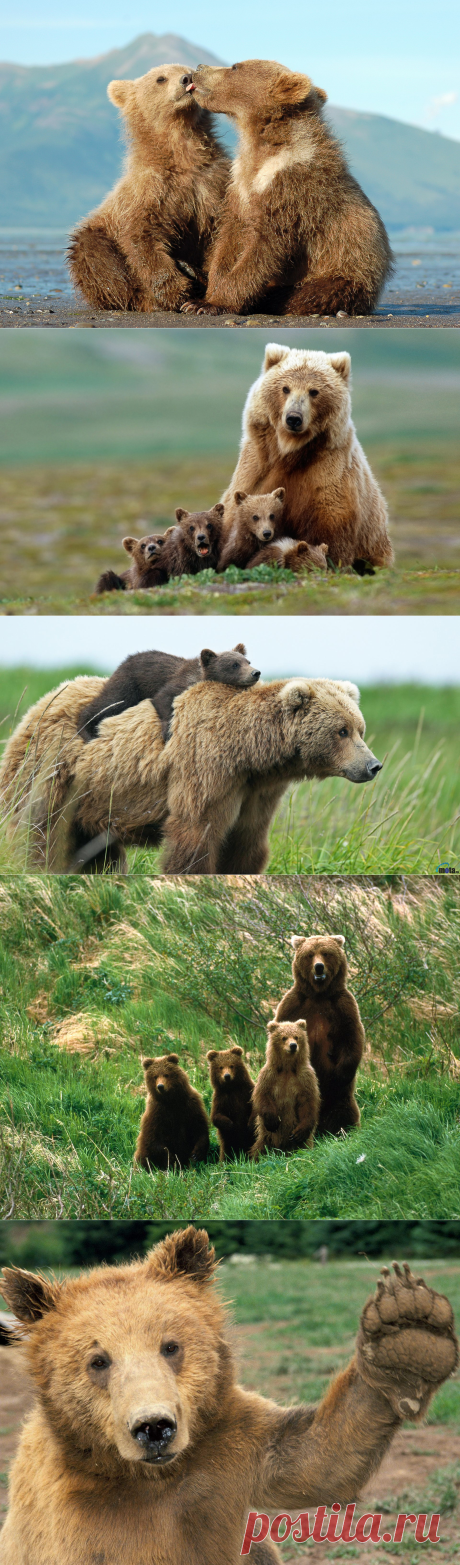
(96, 974)
(407, 820)
(104, 433)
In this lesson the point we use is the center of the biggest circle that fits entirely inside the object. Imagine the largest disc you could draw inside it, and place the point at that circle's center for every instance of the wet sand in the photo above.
(406, 310)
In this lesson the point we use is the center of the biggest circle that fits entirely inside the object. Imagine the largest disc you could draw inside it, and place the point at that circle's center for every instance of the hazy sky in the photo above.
(368, 650)
(402, 60)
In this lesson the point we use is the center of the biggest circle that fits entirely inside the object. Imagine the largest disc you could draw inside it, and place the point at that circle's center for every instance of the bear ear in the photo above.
(207, 657)
(272, 1026)
(274, 353)
(212, 1054)
(239, 496)
(181, 515)
(291, 87)
(240, 647)
(184, 1254)
(279, 494)
(339, 939)
(236, 1049)
(349, 689)
(119, 93)
(173, 1059)
(295, 694)
(320, 93)
(297, 940)
(30, 1297)
(217, 510)
(324, 549)
(130, 544)
(341, 363)
(147, 1063)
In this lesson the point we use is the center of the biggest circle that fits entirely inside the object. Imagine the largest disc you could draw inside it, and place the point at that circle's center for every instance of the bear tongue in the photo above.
(204, 549)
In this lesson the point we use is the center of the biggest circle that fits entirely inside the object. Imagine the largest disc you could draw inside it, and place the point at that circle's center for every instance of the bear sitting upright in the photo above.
(335, 1030)
(231, 1108)
(254, 520)
(194, 543)
(174, 1128)
(161, 676)
(298, 432)
(286, 1094)
(146, 246)
(147, 570)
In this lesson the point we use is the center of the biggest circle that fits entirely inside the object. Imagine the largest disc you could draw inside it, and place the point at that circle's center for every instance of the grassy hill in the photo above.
(63, 147)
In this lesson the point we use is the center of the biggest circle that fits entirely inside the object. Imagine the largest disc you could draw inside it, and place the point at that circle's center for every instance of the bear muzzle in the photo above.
(153, 1433)
(319, 973)
(202, 544)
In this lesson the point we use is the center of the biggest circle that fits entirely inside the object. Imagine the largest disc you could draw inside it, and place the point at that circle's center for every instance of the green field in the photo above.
(94, 975)
(106, 433)
(408, 820)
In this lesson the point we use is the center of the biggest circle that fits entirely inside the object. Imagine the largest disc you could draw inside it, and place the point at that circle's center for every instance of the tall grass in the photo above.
(96, 974)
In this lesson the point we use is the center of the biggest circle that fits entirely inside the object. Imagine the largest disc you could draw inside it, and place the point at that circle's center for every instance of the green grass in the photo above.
(409, 819)
(140, 966)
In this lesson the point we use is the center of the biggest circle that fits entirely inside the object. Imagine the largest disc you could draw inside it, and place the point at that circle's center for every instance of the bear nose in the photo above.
(267, 532)
(256, 675)
(227, 1076)
(373, 767)
(293, 1047)
(201, 538)
(319, 968)
(185, 80)
(154, 1434)
(294, 421)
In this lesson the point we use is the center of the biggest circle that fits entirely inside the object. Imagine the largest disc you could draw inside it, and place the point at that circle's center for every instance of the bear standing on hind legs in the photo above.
(286, 1093)
(335, 1030)
(231, 1108)
(174, 1128)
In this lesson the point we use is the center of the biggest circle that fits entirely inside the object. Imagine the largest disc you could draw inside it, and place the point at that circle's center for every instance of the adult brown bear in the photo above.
(143, 1447)
(335, 1031)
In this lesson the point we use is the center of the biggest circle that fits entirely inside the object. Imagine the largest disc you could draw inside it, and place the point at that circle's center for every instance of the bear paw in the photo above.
(271, 1121)
(406, 1343)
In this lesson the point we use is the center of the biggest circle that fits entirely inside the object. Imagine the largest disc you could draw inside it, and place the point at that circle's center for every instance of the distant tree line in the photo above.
(79, 1244)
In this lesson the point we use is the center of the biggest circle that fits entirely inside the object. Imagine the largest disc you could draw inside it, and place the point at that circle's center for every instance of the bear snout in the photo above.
(320, 972)
(293, 1046)
(373, 766)
(294, 421)
(154, 1434)
(267, 534)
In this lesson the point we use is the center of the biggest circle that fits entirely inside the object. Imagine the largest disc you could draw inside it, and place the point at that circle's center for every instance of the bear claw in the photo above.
(406, 1343)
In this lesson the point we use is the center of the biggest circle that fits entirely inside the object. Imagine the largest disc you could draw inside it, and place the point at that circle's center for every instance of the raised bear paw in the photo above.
(406, 1343)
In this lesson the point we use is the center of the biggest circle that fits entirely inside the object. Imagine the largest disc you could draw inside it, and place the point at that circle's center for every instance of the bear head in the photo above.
(255, 90)
(163, 1076)
(133, 1359)
(145, 551)
(229, 668)
(227, 1067)
(325, 729)
(287, 1045)
(151, 102)
(302, 393)
(201, 529)
(319, 962)
(260, 514)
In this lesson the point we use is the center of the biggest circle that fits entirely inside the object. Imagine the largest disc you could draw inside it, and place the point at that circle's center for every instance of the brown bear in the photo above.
(231, 1108)
(194, 543)
(286, 1094)
(161, 676)
(143, 1447)
(296, 233)
(298, 557)
(147, 569)
(255, 521)
(335, 1030)
(298, 432)
(211, 792)
(174, 1128)
(146, 247)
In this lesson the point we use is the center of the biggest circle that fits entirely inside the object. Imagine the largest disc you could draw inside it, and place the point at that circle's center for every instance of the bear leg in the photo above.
(329, 294)
(110, 582)
(191, 850)
(265, 1553)
(341, 1115)
(101, 271)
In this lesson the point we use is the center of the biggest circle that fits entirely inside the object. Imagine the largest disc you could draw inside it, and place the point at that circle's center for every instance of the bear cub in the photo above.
(335, 1030)
(174, 1129)
(231, 1108)
(286, 1094)
(160, 677)
(254, 521)
(147, 570)
(195, 541)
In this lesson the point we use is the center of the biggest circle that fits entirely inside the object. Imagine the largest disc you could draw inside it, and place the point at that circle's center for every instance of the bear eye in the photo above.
(161, 78)
(313, 392)
(169, 1349)
(100, 1361)
(286, 391)
(191, 529)
(235, 665)
(343, 733)
(255, 518)
(271, 516)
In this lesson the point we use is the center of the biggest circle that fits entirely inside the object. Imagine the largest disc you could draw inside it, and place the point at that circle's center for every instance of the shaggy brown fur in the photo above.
(297, 234)
(296, 557)
(255, 520)
(146, 246)
(335, 1030)
(147, 569)
(286, 1093)
(161, 676)
(174, 1126)
(298, 432)
(211, 791)
(231, 1109)
(142, 1446)
(194, 543)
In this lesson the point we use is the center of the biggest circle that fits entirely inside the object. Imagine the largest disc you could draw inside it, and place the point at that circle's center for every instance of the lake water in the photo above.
(32, 265)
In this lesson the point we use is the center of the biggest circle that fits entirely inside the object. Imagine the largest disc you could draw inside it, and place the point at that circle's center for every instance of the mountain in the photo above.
(62, 149)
